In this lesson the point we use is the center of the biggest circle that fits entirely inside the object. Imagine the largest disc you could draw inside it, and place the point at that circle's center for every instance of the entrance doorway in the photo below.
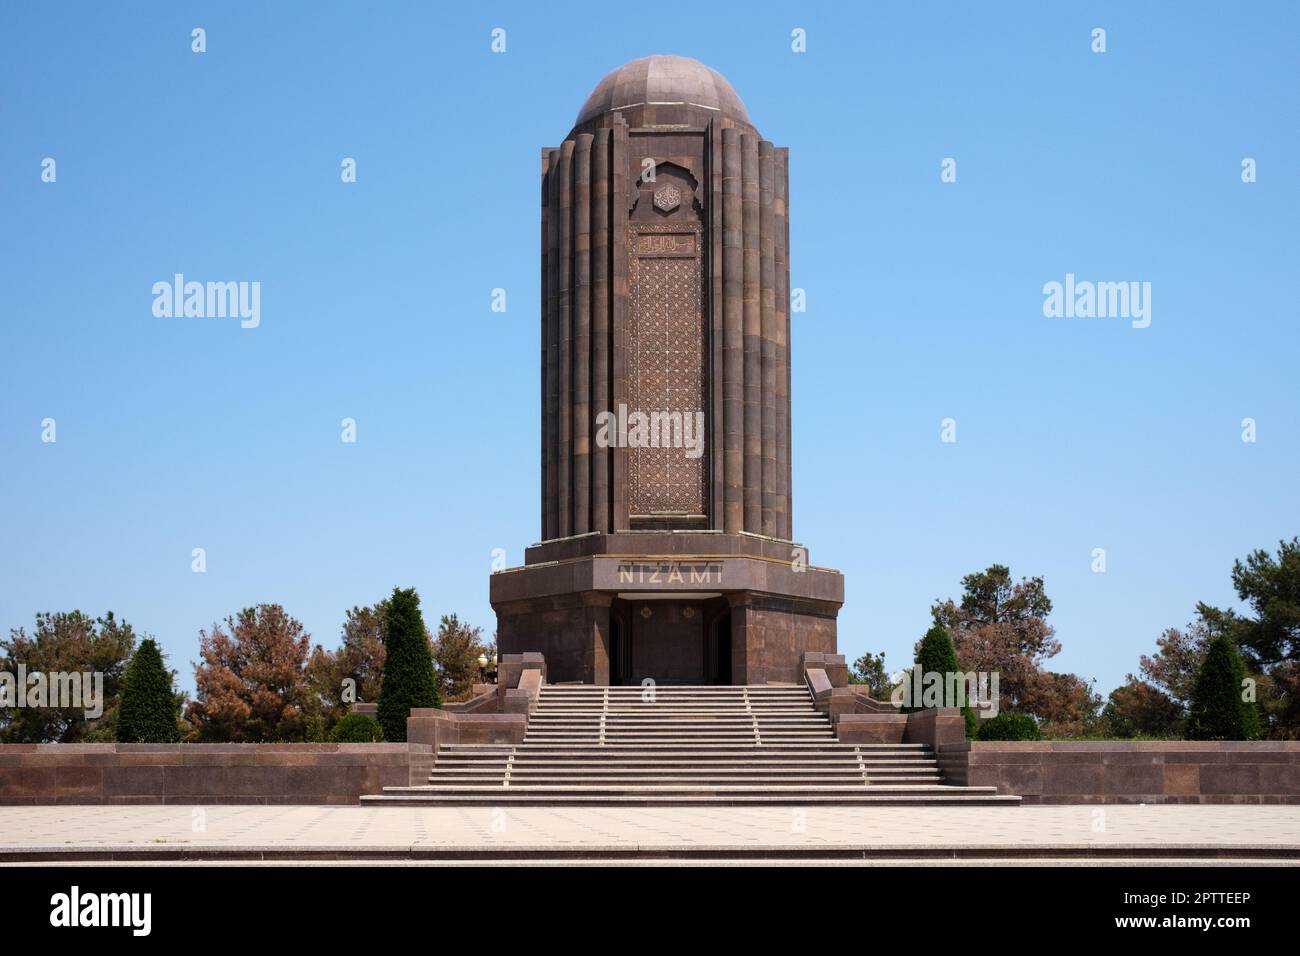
(620, 651)
(717, 651)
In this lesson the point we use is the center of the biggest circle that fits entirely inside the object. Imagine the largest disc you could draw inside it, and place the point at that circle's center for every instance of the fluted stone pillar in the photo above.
(767, 307)
(601, 325)
(733, 320)
(753, 416)
(581, 424)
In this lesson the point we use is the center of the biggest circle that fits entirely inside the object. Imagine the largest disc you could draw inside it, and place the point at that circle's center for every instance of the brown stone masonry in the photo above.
(200, 773)
(1174, 771)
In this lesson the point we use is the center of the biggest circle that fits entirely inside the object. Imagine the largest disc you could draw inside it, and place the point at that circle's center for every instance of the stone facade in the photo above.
(665, 291)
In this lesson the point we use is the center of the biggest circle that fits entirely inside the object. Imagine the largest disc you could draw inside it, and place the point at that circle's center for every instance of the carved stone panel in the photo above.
(666, 372)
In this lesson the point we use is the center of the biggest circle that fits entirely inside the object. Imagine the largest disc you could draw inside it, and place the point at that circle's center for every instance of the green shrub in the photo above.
(937, 655)
(357, 729)
(1008, 726)
(408, 679)
(1217, 710)
(149, 710)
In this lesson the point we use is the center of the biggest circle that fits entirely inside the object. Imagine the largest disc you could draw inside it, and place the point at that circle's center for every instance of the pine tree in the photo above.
(1217, 710)
(149, 709)
(409, 680)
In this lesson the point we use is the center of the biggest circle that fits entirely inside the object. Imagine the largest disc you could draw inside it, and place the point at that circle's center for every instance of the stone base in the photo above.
(676, 607)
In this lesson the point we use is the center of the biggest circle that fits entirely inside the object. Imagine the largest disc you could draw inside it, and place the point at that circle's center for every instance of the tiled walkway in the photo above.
(28, 833)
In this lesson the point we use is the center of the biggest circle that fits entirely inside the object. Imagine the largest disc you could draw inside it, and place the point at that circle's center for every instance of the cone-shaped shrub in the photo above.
(936, 655)
(149, 709)
(1217, 710)
(408, 665)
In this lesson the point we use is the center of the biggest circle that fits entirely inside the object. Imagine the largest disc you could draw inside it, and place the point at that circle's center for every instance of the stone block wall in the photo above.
(1175, 771)
(199, 773)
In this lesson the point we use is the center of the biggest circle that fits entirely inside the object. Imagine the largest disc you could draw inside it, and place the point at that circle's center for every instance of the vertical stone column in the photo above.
(733, 318)
(783, 236)
(600, 325)
(745, 657)
(716, 330)
(565, 319)
(582, 334)
(782, 328)
(596, 624)
(767, 311)
(550, 328)
(753, 324)
(619, 289)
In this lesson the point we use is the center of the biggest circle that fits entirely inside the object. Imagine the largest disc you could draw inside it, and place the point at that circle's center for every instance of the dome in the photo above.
(662, 80)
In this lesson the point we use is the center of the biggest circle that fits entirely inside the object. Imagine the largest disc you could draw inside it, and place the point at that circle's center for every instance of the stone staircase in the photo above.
(728, 746)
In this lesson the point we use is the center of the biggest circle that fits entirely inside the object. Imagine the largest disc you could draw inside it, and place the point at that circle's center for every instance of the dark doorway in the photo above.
(620, 652)
(717, 666)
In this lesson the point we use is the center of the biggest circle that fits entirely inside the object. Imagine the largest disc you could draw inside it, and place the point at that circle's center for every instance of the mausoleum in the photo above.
(667, 544)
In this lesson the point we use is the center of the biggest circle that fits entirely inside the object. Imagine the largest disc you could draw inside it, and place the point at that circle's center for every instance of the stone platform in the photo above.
(1170, 834)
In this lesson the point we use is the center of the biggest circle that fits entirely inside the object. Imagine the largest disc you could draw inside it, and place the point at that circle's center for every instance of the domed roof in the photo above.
(663, 80)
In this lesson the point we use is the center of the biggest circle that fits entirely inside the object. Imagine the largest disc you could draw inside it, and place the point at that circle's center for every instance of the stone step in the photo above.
(807, 785)
(508, 796)
(620, 765)
(665, 739)
(677, 723)
(661, 688)
(820, 747)
(624, 769)
(763, 778)
(571, 787)
(739, 713)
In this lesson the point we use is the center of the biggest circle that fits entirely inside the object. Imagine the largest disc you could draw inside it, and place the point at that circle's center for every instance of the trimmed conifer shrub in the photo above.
(408, 679)
(1009, 726)
(357, 729)
(937, 655)
(1217, 710)
(149, 710)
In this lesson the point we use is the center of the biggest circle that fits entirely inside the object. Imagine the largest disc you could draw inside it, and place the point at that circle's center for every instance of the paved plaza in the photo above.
(1079, 833)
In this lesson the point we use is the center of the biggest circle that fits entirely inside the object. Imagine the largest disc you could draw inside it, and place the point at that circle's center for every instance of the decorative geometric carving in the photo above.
(668, 197)
(665, 350)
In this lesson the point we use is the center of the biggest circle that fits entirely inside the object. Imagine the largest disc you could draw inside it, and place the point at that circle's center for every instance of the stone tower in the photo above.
(667, 548)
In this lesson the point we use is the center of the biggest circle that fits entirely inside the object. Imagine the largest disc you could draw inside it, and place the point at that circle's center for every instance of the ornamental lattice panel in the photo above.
(665, 370)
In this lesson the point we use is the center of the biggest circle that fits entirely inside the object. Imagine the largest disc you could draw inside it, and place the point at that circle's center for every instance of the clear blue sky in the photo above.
(924, 299)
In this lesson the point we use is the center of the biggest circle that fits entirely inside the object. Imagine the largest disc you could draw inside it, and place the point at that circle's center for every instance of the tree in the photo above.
(869, 670)
(252, 683)
(408, 679)
(1070, 707)
(1271, 586)
(935, 654)
(360, 659)
(456, 651)
(66, 644)
(1000, 626)
(1219, 709)
(150, 709)
(1155, 704)
(1139, 709)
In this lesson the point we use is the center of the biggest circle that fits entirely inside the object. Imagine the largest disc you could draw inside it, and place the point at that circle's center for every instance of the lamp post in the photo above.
(482, 668)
